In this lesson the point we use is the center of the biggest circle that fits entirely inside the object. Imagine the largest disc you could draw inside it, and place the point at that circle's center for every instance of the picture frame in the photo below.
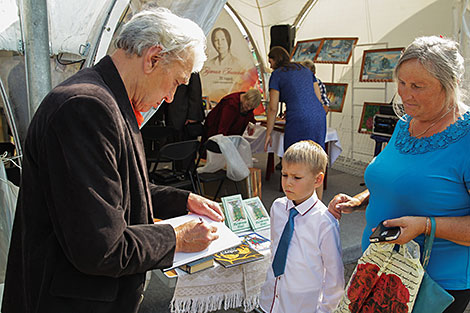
(378, 64)
(336, 92)
(336, 50)
(367, 117)
(306, 50)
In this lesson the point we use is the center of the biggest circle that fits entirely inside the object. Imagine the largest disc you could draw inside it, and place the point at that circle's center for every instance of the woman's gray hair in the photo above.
(442, 59)
(180, 38)
(253, 97)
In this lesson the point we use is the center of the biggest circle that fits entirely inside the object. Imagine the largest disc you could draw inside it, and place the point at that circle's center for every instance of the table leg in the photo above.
(269, 165)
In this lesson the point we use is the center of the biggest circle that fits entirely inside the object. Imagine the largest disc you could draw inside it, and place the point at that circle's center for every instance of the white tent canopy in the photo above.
(80, 28)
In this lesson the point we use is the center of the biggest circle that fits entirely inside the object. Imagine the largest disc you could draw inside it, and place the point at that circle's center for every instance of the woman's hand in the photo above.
(343, 203)
(410, 227)
(268, 142)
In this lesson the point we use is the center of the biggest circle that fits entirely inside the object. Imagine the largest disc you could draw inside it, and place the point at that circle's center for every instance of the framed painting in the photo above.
(336, 50)
(367, 117)
(306, 50)
(337, 94)
(378, 64)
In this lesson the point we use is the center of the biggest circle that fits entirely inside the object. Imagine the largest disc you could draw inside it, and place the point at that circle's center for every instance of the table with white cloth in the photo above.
(257, 139)
(219, 288)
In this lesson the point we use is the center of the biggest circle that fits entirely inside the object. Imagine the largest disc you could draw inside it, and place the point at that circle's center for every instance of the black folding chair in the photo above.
(176, 176)
(220, 175)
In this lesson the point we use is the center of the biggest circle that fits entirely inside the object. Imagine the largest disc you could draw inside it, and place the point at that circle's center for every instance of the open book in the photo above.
(227, 239)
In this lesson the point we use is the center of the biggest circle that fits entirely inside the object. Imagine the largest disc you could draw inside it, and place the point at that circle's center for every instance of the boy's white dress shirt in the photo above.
(313, 280)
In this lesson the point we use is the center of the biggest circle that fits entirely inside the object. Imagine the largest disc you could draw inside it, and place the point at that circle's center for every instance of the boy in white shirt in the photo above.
(308, 275)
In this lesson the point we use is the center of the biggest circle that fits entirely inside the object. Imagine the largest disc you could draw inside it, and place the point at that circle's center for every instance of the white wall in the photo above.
(392, 22)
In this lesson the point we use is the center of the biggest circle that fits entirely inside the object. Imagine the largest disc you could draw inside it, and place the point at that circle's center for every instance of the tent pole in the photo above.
(35, 30)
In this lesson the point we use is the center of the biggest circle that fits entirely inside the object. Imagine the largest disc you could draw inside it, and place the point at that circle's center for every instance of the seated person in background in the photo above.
(323, 95)
(307, 258)
(232, 115)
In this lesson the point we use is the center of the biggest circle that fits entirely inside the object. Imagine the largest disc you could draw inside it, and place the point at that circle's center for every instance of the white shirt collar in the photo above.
(305, 206)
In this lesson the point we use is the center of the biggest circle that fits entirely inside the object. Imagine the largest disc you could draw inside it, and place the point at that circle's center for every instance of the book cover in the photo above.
(257, 214)
(256, 241)
(227, 239)
(235, 214)
(238, 255)
(198, 265)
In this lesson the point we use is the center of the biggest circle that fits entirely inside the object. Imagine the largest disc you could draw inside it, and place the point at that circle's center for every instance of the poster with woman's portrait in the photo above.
(230, 65)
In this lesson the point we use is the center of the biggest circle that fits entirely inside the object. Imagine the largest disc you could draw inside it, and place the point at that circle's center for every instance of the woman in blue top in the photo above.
(425, 169)
(295, 85)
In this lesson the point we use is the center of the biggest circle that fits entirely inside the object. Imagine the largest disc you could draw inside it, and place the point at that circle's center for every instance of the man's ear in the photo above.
(151, 58)
(319, 179)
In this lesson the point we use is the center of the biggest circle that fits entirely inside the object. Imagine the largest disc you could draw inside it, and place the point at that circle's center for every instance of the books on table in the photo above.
(238, 255)
(243, 215)
(257, 214)
(235, 214)
(198, 265)
(256, 241)
(227, 239)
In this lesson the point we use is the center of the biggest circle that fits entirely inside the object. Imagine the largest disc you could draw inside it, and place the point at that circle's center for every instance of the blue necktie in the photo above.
(279, 261)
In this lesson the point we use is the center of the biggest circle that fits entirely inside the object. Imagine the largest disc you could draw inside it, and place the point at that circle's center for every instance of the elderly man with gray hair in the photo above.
(83, 235)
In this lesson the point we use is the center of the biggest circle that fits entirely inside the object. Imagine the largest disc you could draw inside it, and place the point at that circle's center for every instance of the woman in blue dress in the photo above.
(424, 171)
(297, 87)
(293, 84)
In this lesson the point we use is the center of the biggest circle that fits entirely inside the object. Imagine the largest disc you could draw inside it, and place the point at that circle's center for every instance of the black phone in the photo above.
(383, 233)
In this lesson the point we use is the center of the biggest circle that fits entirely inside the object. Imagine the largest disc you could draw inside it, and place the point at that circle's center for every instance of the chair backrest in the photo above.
(178, 151)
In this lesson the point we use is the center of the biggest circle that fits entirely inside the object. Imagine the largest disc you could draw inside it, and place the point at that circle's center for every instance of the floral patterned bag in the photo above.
(386, 279)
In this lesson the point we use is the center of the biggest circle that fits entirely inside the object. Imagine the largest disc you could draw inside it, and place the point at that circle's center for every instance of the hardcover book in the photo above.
(257, 214)
(239, 255)
(198, 265)
(235, 214)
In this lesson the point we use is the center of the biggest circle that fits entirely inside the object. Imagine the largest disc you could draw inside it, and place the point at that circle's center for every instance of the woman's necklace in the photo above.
(430, 126)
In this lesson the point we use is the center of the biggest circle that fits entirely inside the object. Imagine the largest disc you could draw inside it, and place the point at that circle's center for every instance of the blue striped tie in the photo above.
(279, 261)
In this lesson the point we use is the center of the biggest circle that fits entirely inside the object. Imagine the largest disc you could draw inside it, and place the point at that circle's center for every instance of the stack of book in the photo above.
(198, 265)
(243, 215)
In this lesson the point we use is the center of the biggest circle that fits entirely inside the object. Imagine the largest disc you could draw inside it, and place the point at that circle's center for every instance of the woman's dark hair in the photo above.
(281, 58)
(226, 33)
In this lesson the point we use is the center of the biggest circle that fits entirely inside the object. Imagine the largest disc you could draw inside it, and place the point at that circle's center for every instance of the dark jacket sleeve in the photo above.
(168, 202)
(89, 151)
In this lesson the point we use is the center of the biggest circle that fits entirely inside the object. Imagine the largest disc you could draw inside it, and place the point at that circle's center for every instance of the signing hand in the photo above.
(410, 226)
(203, 206)
(343, 203)
(194, 236)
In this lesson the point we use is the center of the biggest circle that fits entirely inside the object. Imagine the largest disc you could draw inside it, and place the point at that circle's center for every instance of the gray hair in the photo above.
(309, 153)
(309, 64)
(180, 38)
(253, 97)
(442, 59)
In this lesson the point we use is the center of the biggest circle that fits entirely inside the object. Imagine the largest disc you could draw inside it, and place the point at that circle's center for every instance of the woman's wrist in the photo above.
(427, 228)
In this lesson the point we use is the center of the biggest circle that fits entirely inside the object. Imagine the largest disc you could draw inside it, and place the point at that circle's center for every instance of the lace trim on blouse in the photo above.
(407, 144)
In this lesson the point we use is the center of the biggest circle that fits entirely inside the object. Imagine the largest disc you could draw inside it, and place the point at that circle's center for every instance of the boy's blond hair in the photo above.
(309, 153)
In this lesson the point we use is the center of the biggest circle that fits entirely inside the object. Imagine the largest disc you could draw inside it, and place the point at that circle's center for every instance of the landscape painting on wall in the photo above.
(378, 64)
(306, 50)
(336, 50)
(337, 94)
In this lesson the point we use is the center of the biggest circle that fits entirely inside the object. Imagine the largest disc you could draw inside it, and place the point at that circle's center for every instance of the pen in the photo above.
(201, 220)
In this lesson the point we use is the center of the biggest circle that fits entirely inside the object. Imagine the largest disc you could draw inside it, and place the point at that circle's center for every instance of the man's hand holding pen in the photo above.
(195, 235)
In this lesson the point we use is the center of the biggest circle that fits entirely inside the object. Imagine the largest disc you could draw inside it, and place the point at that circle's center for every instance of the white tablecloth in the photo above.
(257, 142)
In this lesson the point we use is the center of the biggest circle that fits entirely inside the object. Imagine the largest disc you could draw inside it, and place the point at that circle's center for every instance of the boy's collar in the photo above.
(305, 206)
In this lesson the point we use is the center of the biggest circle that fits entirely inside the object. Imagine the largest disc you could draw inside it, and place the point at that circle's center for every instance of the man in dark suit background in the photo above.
(83, 235)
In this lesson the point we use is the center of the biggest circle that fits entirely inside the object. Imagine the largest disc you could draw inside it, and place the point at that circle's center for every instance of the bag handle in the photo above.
(428, 242)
